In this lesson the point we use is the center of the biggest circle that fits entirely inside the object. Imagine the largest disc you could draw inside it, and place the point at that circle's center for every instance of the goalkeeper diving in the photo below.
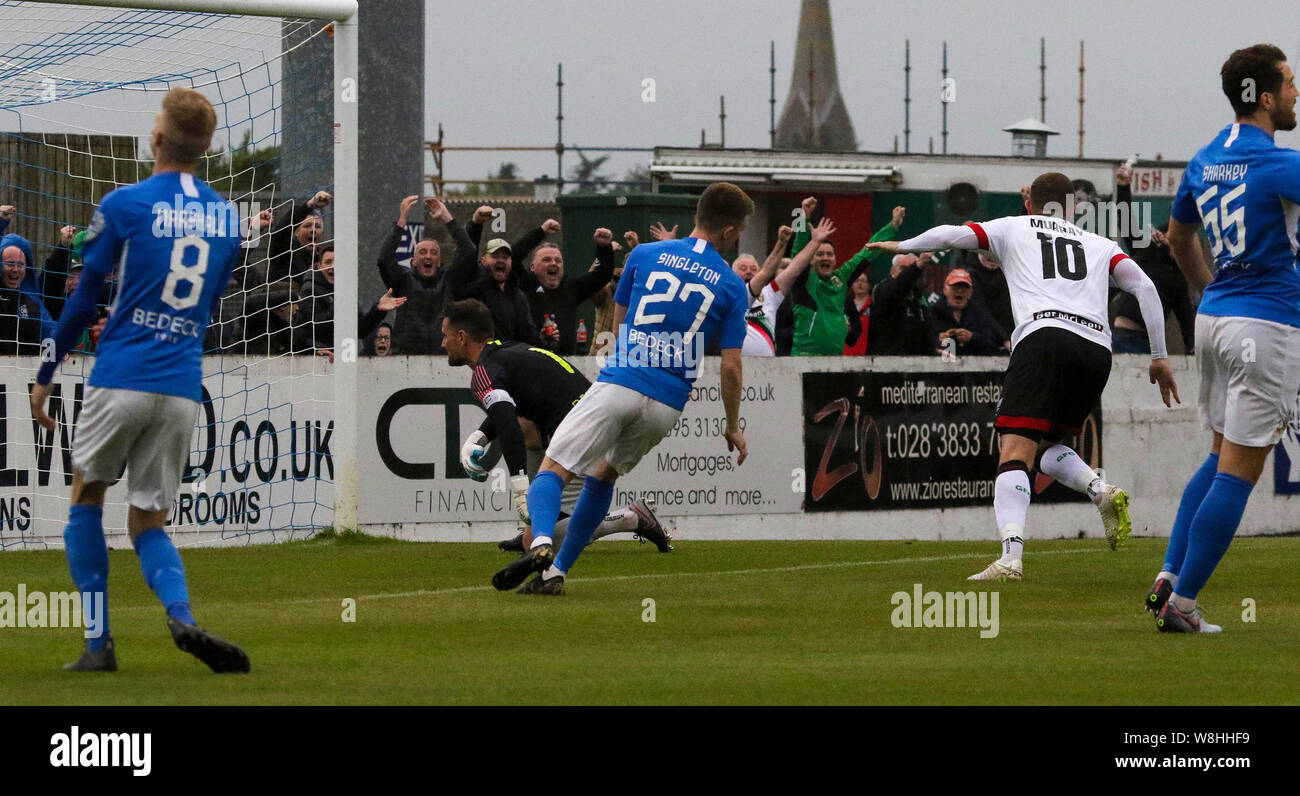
(513, 381)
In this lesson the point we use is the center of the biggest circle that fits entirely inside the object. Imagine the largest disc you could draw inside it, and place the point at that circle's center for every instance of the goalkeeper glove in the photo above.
(519, 494)
(470, 453)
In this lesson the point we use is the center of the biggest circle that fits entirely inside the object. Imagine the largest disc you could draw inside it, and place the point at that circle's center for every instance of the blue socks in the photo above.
(164, 573)
(1211, 531)
(544, 504)
(87, 553)
(592, 506)
(1193, 497)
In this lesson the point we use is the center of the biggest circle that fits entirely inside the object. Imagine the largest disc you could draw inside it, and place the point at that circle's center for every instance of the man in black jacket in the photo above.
(295, 235)
(990, 290)
(967, 323)
(489, 279)
(318, 298)
(418, 327)
(275, 324)
(58, 268)
(898, 311)
(555, 296)
(1129, 332)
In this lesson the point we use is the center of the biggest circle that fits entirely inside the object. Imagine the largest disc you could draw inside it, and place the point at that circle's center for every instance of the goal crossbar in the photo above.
(307, 9)
(345, 16)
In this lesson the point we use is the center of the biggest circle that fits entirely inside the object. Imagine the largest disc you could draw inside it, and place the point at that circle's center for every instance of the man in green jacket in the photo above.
(820, 325)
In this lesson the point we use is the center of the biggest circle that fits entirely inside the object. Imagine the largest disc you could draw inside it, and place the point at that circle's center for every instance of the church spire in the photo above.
(814, 117)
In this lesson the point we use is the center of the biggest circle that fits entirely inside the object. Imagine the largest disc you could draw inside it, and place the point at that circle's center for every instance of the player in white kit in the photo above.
(1059, 277)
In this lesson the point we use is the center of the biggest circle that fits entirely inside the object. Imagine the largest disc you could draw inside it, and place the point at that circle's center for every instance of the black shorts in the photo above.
(1053, 381)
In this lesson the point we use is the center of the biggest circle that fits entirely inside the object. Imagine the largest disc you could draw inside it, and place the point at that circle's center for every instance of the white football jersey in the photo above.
(1057, 274)
(761, 322)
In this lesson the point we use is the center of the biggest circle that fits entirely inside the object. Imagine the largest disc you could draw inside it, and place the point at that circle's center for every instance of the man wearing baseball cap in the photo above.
(488, 278)
(968, 325)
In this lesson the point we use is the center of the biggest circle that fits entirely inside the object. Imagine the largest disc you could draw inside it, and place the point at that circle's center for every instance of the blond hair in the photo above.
(188, 121)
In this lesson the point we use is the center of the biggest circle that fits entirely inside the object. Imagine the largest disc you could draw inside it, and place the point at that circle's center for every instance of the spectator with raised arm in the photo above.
(521, 249)
(489, 278)
(1129, 331)
(62, 273)
(57, 271)
(295, 234)
(368, 322)
(899, 321)
(991, 291)
(659, 232)
(765, 297)
(820, 327)
(761, 276)
(603, 300)
(555, 296)
(418, 326)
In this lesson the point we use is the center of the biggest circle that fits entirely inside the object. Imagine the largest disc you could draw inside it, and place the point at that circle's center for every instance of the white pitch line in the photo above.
(613, 578)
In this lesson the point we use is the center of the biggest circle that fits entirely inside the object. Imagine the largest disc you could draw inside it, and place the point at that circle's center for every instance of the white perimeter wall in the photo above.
(1148, 449)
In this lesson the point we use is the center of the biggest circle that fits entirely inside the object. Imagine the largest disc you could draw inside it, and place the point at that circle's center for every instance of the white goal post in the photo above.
(344, 14)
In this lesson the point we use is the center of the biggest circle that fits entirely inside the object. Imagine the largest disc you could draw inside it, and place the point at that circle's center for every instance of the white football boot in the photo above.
(1000, 571)
(1112, 504)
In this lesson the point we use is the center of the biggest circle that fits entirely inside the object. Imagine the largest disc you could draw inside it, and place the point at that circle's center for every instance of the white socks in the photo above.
(621, 521)
(1064, 465)
(1013, 544)
(1010, 507)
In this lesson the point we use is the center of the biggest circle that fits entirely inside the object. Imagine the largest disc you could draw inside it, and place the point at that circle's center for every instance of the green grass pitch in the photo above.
(735, 623)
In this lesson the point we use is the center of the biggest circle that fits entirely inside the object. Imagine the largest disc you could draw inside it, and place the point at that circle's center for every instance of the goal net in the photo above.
(80, 86)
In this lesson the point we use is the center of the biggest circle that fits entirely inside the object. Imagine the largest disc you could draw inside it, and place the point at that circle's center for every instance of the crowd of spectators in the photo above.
(281, 300)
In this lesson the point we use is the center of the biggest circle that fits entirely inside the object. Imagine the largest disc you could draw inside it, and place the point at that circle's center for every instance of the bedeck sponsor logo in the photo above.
(73, 749)
(634, 348)
(946, 609)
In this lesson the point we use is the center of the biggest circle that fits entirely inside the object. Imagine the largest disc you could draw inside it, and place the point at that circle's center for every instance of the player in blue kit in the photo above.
(173, 242)
(1246, 191)
(680, 294)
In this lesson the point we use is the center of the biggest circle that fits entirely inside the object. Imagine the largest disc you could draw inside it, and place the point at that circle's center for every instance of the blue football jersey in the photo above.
(1245, 190)
(173, 242)
(679, 294)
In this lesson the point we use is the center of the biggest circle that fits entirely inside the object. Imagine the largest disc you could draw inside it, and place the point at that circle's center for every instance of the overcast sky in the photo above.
(1151, 81)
